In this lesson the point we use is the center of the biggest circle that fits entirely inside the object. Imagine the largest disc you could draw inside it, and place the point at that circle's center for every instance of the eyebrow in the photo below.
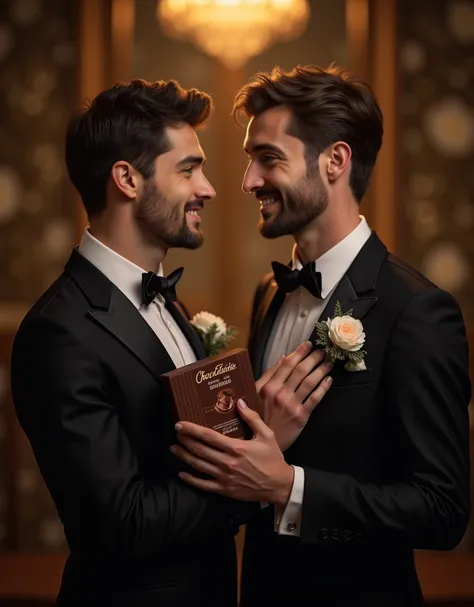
(265, 147)
(191, 160)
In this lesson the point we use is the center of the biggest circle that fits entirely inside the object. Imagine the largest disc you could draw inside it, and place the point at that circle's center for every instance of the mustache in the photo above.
(266, 192)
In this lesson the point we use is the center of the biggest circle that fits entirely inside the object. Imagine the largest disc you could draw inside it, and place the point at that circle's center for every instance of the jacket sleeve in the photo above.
(426, 385)
(63, 402)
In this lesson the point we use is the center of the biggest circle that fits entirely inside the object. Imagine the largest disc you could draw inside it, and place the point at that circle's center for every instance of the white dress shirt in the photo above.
(295, 322)
(127, 277)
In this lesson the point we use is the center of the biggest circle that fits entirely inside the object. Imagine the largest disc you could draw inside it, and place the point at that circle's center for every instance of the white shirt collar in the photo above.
(125, 275)
(334, 263)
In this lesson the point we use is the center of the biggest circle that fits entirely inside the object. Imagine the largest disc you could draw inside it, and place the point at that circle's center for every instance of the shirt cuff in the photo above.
(289, 522)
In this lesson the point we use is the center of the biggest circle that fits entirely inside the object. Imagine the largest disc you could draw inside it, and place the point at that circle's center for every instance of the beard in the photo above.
(299, 206)
(165, 220)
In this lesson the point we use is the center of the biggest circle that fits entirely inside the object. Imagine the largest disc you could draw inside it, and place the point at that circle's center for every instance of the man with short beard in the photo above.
(382, 466)
(87, 360)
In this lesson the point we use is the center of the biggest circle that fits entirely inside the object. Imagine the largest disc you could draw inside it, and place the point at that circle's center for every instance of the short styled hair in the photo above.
(126, 122)
(328, 105)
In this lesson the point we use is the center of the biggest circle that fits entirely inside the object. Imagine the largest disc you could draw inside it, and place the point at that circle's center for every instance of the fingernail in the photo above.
(308, 344)
(178, 427)
(241, 404)
(329, 380)
(173, 449)
(329, 364)
(282, 357)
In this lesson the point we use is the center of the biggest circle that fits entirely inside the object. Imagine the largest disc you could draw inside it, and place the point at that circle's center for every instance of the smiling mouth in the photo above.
(267, 201)
(194, 208)
(267, 197)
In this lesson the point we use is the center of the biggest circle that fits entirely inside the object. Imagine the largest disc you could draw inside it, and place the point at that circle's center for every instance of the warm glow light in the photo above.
(233, 31)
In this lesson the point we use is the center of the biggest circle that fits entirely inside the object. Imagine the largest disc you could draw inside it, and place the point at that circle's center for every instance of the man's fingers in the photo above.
(304, 368)
(205, 435)
(287, 366)
(196, 462)
(317, 396)
(253, 419)
(202, 450)
(311, 380)
(200, 483)
(269, 373)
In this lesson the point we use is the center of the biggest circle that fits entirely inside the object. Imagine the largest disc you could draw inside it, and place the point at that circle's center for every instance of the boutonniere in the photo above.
(342, 338)
(213, 331)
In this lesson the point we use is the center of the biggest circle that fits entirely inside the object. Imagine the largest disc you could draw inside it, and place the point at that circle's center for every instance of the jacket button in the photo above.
(335, 534)
(291, 526)
(323, 534)
(347, 535)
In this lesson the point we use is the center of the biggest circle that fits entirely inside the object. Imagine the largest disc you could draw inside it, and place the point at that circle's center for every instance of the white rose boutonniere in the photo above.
(213, 331)
(342, 337)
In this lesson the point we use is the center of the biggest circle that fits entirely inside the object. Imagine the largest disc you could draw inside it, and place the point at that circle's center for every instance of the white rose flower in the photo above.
(203, 321)
(346, 332)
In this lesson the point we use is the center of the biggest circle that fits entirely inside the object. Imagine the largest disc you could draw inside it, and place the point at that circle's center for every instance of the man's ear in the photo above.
(339, 158)
(125, 178)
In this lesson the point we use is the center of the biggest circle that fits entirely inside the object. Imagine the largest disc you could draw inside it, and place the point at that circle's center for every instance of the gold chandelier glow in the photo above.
(233, 31)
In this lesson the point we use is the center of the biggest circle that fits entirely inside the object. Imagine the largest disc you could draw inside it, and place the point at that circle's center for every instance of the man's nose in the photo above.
(252, 181)
(205, 191)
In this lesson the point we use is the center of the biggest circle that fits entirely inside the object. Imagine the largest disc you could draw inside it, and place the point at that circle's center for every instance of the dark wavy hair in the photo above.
(328, 105)
(126, 122)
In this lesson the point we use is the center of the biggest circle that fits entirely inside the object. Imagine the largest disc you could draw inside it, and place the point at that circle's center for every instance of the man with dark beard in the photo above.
(87, 360)
(382, 466)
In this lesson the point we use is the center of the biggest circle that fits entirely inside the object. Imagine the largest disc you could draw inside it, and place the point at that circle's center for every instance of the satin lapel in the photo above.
(181, 320)
(347, 297)
(354, 291)
(116, 314)
(125, 323)
(270, 306)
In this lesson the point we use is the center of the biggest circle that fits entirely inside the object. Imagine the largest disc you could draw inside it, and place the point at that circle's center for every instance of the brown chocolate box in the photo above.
(206, 392)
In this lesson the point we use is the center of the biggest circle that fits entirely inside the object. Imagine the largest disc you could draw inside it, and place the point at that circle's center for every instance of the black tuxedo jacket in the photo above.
(385, 454)
(85, 381)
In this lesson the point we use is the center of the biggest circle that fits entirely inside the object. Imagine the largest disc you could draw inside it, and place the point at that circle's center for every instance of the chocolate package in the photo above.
(206, 392)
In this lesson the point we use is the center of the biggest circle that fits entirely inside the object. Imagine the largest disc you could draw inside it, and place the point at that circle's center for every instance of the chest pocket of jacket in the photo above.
(348, 379)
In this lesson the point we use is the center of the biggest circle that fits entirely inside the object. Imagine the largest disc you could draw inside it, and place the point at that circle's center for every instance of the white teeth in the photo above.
(192, 213)
(266, 201)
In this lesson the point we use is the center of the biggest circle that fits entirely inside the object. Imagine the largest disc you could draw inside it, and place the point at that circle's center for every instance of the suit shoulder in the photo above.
(404, 284)
(56, 306)
(47, 300)
(406, 275)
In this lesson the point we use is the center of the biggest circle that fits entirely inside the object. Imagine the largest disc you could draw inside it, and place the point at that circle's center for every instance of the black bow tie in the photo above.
(153, 285)
(288, 280)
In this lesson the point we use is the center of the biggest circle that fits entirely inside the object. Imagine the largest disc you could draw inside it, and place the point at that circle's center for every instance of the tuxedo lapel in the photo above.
(186, 327)
(116, 314)
(354, 289)
(271, 304)
(346, 295)
(125, 323)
